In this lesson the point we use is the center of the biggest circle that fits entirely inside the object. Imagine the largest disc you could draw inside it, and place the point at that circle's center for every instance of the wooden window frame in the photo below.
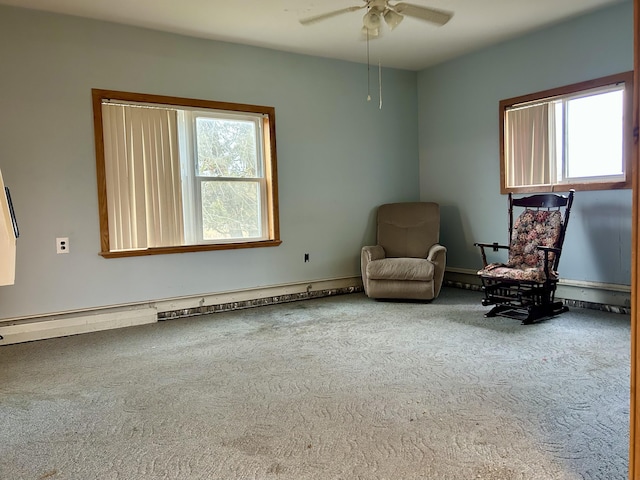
(627, 79)
(269, 146)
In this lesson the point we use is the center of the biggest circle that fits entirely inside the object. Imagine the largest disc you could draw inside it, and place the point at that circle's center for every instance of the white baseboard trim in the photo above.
(605, 296)
(61, 324)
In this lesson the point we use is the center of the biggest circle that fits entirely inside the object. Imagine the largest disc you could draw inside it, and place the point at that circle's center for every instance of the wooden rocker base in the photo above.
(527, 315)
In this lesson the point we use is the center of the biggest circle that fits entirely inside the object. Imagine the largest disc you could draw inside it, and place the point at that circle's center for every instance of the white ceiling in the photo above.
(413, 45)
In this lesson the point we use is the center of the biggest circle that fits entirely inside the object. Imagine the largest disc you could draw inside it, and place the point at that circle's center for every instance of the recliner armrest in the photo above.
(373, 252)
(368, 254)
(438, 256)
(435, 252)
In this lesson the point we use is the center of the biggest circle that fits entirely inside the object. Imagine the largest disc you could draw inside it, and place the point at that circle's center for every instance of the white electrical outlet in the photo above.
(62, 245)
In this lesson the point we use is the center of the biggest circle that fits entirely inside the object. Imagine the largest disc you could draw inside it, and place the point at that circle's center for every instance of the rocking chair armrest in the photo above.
(549, 249)
(494, 246)
(490, 245)
(546, 251)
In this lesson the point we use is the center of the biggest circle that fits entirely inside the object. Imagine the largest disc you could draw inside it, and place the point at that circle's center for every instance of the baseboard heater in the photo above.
(257, 302)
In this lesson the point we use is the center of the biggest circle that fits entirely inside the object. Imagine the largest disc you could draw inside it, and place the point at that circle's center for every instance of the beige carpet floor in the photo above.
(334, 388)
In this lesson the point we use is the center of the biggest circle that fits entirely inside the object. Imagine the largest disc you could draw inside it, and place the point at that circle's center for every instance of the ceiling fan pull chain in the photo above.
(368, 69)
(380, 82)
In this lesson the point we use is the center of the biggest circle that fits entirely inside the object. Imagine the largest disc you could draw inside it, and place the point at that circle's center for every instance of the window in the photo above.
(574, 137)
(178, 174)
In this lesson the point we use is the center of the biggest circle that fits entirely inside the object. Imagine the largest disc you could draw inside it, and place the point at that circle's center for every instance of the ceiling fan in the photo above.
(392, 13)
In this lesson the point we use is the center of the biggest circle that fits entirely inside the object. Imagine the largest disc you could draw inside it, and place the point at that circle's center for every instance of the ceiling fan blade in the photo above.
(439, 17)
(335, 13)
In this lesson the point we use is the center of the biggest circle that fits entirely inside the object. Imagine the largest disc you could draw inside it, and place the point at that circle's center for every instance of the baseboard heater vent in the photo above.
(257, 302)
(464, 286)
(597, 306)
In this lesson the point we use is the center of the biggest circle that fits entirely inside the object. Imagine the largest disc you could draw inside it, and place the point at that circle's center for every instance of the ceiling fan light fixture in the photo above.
(371, 20)
(392, 18)
(370, 32)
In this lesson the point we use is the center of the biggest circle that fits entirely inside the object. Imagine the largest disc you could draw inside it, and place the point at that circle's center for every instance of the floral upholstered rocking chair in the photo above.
(524, 287)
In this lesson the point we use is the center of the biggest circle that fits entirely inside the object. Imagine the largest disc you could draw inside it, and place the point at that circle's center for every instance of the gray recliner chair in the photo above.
(407, 262)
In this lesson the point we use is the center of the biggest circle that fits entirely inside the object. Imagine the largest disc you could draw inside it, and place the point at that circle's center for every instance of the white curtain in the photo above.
(530, 145)
(142, 163)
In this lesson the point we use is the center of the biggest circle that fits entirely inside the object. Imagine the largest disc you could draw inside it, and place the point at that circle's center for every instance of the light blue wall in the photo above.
(338, 157)
(459, 145)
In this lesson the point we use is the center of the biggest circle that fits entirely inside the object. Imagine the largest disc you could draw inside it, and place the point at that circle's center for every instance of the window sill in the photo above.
(565, 187)
(189, 248)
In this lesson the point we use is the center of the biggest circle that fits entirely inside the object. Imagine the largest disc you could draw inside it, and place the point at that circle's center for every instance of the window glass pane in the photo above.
(594, 135)
(226, 148)
(230, 210)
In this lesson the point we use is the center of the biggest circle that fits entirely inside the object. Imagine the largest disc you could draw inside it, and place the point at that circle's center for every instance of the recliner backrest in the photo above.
(408, 229)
